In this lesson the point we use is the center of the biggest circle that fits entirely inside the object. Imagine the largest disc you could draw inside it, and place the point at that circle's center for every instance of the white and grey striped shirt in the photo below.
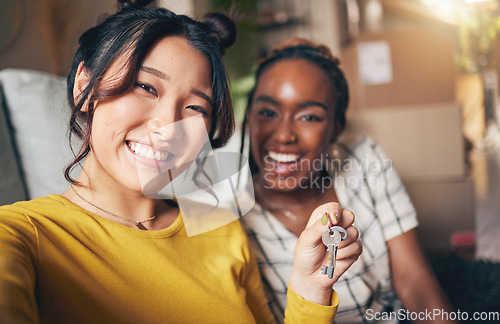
(366, 183)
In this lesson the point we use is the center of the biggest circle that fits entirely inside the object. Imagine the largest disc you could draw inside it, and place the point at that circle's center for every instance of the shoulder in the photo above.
(21, 223)
(39, 206)
(357, 146)
(359, 154)
(39, 210)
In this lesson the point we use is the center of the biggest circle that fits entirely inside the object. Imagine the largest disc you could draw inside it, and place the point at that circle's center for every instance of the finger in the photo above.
(347, 218)
(350, 251)
(332, 208)
(352, 236)
(311, 236)
(346, 258)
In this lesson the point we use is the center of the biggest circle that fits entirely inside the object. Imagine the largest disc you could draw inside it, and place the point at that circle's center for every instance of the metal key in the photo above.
(332, 238)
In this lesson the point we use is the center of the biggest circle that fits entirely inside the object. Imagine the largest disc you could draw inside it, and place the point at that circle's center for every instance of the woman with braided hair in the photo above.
(295, 116)
(108, 251)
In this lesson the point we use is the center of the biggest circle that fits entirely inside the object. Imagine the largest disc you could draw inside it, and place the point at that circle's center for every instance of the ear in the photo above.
(337, 130)
(81, 81)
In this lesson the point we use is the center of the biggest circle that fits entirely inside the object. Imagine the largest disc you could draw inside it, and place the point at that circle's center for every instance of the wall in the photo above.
(30, 50)
(318, 21)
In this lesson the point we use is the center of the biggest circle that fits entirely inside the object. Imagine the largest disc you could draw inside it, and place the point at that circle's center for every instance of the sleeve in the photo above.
(18, 252)
(298, 309)
(392, 204)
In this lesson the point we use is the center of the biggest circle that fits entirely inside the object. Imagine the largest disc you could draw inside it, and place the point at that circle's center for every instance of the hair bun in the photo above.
(321, 50)
(222, 27)
(133, 3)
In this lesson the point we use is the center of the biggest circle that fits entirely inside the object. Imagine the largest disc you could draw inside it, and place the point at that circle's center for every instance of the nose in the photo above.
(285, 133)
(164, 123)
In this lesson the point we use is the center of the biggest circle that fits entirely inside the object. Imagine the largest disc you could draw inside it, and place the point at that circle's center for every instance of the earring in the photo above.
(334, 150)
(333, 163)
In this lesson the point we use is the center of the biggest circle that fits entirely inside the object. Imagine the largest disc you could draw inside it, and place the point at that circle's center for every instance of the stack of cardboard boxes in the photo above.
(414, 116)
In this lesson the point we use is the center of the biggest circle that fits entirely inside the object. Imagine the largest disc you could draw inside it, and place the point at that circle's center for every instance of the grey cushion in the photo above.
(39, 115)
(11, 185)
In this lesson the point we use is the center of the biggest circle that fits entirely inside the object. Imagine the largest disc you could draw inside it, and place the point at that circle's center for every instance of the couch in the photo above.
(33, 135)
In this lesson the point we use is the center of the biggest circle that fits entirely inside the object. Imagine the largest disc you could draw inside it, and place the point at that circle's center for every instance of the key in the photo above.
(332, 238)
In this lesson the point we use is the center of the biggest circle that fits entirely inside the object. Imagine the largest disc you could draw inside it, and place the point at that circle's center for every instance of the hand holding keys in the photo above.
(307, 279)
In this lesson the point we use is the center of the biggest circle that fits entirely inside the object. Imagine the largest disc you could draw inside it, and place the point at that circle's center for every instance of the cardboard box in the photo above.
(425, 142)
(443, 208)
(422, 64)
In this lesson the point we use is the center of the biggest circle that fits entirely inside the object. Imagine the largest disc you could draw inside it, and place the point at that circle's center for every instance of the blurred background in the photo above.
(423, 77)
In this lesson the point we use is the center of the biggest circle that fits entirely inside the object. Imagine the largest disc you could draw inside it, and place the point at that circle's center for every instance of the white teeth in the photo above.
(148, 152)
(283, 157)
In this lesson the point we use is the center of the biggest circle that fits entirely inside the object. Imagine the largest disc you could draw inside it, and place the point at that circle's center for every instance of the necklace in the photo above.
(275, 207)
(137, 223)
(285, 210)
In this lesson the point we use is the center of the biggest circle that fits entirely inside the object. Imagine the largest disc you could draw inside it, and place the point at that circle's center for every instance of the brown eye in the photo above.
(310, 118)
(198, 109)
(266, 112)
(147, 88)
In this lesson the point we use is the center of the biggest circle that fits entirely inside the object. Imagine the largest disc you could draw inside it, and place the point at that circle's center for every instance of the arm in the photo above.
(311, 298)
(310, 255)
(17, 271)
(413, 278)
(298, 310)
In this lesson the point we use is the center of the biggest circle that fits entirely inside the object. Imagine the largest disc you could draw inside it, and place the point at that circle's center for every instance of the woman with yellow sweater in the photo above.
(106, 251)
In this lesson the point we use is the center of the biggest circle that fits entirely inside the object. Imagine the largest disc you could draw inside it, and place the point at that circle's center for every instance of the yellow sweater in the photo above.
(62, 264)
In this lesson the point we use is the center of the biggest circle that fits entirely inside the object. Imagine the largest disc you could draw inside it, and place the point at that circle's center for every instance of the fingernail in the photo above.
(329, 256)
(336, 218)
(324, 218)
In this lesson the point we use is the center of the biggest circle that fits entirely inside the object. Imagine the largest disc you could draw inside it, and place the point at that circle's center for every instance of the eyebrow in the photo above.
(309, 103)
(164, 76)
(303, 104)
(267, 99)
(202, 95)
(155, 72)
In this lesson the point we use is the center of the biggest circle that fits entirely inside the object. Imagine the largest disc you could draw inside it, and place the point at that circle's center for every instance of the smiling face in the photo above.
(291, 123)
(160, 124)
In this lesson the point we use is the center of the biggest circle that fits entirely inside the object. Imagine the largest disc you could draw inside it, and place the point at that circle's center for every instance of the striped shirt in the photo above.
(366, 183)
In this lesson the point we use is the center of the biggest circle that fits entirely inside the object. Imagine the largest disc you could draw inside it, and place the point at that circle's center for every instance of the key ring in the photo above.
(341, 230)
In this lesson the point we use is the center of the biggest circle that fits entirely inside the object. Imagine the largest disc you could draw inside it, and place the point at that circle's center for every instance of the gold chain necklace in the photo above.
(285, 210)
(275, 207)
(137, 223)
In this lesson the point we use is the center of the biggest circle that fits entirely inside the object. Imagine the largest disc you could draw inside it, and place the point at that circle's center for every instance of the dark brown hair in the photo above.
(130, 33)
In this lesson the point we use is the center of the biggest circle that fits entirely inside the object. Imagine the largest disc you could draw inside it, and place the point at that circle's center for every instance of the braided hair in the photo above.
(319, 55)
